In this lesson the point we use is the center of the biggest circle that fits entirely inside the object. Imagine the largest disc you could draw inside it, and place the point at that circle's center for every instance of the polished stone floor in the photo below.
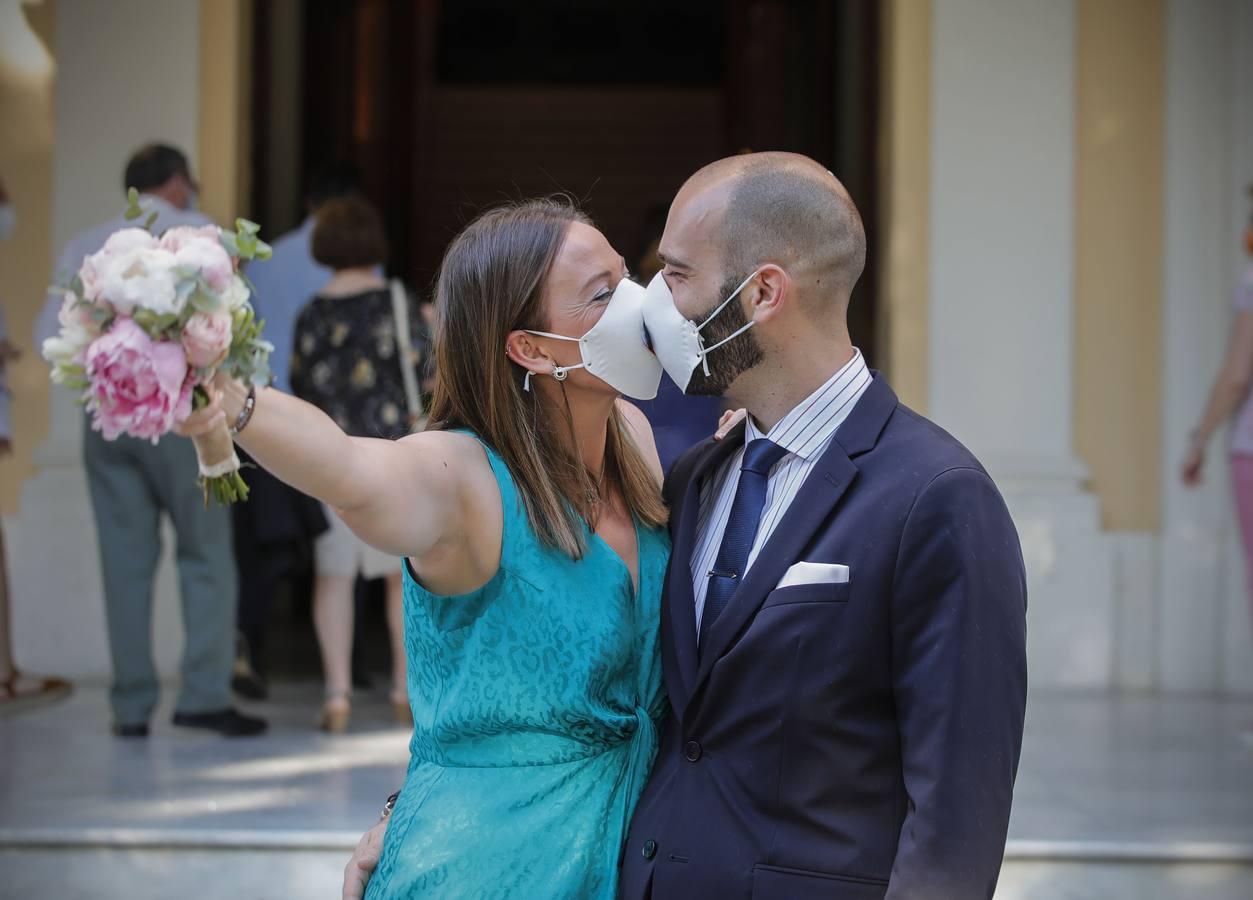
(1117, 797)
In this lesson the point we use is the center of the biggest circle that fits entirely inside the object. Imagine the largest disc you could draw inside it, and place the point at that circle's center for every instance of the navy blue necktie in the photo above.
(737, 541)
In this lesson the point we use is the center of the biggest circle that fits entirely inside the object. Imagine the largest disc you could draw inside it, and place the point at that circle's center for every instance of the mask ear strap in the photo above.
(556, 337)
(561, 373)
(735, 293)
(705, 351)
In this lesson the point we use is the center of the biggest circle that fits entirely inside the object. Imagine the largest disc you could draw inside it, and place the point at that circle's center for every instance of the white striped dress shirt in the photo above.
(805, 433)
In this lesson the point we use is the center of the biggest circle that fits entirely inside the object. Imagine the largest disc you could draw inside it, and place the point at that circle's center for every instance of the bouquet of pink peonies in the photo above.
(146, 324)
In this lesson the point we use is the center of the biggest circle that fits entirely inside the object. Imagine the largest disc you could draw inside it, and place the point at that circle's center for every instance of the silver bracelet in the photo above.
(245, 414)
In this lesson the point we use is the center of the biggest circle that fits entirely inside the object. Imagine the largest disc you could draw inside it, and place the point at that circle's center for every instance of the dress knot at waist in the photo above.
(643, 751)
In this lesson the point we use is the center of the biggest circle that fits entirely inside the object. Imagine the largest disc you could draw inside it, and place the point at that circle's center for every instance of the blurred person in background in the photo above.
(351, 346)
(132, 483)
(274, 532)
(1231, 399)
(16, 689)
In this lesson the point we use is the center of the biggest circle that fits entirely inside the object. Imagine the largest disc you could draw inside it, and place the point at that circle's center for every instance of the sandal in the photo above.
(18, 691)
(334, 716)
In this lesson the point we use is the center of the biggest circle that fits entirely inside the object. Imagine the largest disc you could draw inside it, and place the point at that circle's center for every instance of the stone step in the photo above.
(293, 865)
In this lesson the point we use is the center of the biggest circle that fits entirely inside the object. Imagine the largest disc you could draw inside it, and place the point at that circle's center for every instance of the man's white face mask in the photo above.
(677, 340)
(8, 220)
(615, 349)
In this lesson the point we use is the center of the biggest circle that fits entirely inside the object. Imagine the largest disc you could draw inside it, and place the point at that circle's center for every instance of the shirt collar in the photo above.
(810, 425)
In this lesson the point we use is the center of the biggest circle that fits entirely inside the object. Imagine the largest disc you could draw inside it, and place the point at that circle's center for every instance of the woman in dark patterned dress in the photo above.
(346, 361)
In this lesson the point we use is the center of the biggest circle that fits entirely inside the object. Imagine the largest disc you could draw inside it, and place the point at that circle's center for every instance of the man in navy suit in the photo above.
(844, 620)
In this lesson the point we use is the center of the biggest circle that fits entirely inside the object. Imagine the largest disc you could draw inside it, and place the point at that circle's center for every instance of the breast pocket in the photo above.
(808, 593)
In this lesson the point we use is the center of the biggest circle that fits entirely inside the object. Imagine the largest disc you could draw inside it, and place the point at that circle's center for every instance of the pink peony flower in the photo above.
(207, 338)
(176, 238)
(138, 386)
(199, 249)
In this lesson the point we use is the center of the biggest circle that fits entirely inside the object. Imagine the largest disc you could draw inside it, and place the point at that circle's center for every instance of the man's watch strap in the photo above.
(390, 804)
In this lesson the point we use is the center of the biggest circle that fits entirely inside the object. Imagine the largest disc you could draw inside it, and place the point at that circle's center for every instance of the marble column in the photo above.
(1204, 636)
(1001, 322)
(127, 73)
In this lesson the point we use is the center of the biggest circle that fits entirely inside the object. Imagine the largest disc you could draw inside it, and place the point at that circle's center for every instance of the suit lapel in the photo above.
(818, 496)
(814, 504)
(679, 601)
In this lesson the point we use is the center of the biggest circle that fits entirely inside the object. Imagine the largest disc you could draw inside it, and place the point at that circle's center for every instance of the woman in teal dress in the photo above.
(531, 524)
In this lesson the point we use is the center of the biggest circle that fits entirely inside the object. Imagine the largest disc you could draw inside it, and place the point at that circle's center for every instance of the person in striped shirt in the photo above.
(843, 624)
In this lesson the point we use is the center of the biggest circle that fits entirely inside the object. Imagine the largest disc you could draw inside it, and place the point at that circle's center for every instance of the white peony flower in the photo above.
(77, 316)
(65, 348)
(236, 293)
(140, 278)
(119, 242)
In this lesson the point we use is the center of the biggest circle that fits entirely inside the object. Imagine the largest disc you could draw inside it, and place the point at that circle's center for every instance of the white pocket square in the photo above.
(814, 573)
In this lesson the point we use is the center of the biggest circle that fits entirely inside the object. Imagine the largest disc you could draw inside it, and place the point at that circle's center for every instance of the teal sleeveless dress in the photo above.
(535, 701)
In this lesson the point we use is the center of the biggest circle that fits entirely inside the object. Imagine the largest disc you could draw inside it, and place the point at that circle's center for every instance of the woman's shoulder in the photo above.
(459, 452)
(453, 440)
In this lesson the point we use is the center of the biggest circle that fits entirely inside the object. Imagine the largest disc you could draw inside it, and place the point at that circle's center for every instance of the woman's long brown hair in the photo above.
(492, 282)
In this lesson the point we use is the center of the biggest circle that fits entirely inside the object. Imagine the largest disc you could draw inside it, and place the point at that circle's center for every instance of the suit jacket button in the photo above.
(692, 751)
(650, 849)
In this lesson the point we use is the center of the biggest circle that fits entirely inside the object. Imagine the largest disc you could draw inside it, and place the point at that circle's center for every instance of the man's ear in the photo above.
(768, 292)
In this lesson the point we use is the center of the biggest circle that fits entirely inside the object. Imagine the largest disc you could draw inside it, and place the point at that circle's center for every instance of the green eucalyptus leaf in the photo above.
(133, 210)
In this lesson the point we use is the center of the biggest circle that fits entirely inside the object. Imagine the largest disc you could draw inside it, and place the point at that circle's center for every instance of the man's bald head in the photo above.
(782, 208)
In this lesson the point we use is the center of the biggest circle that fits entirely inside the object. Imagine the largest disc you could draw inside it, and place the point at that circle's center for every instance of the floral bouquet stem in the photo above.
(219, 465)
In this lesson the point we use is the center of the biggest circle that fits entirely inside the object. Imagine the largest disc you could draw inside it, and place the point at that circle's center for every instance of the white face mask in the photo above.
(677, 340)
(615, 349)
(8, 220)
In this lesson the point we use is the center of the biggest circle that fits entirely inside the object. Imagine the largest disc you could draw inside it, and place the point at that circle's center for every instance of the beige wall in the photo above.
(89, 169)
(1119, 138)
(904, 193)
(225, 111)
(26, 131)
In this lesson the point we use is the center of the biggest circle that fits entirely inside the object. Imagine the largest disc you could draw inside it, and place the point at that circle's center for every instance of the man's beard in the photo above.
(733, 358)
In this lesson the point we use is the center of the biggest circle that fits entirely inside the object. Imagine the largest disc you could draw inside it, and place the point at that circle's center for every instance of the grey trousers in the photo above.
(132, 483)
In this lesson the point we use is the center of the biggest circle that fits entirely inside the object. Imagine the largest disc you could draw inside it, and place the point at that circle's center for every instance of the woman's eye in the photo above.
(602, 297)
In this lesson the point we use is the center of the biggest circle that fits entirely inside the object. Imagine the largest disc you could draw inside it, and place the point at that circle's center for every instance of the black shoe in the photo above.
(226, 722)
(139, 730)
(246, 680)
(250, 686)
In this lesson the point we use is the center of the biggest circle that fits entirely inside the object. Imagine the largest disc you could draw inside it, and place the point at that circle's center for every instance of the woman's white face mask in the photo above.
(615, 349)
(676, 339)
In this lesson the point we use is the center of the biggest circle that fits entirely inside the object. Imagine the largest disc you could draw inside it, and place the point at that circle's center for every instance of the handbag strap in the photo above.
(404, 347)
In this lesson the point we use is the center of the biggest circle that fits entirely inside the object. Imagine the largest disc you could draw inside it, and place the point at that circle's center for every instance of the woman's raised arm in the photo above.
(404, 497)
